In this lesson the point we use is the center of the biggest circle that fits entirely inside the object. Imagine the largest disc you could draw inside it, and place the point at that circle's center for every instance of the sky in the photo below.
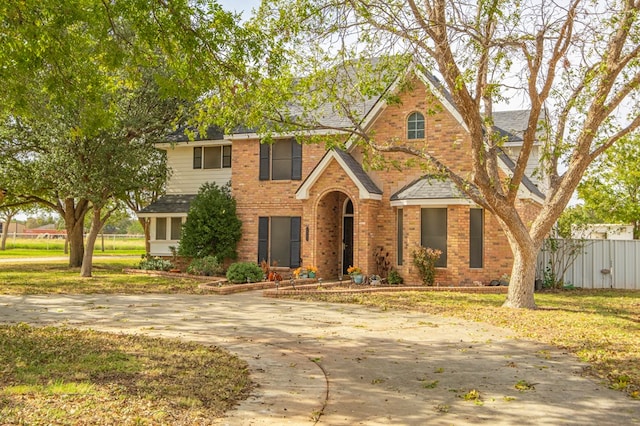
(244, 6)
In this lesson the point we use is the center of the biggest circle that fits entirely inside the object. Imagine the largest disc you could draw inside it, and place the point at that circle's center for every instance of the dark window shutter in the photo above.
(226, 156)
(296, 160)
(263, 239)
(264, 161)
(296, 232)
(400, 236)
(476, 236)
(197, 157)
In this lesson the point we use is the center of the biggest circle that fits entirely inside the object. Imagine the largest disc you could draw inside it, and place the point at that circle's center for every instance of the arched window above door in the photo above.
(348, 207)
(415, 126)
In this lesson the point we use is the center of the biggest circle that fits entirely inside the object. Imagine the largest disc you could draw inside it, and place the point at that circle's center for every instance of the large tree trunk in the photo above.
(74, 222)
(523, 275)
(5, 231)
(87, 261)
(146, 226)
(76, 245)
(97, 222)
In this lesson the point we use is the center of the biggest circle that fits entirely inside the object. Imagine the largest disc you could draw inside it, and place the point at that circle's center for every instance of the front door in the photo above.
(347, 237)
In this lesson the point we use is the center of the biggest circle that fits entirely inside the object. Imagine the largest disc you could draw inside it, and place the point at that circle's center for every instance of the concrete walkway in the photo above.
(348, 365)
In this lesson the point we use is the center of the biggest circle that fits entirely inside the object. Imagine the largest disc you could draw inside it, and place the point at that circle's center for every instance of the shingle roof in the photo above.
(514, 122)
(358, 172)
(170, 204)
(428, 188)
(525, 179)
(211, 134)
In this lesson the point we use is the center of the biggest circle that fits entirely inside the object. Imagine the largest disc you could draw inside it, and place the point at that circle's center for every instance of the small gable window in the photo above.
(415, 126)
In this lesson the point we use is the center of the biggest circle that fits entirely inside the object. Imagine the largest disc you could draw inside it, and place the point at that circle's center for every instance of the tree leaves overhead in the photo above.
(74, 55)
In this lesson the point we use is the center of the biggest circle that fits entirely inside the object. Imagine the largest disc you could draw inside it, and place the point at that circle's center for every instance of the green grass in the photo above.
(30, 247)
(55, 277)
(64, 376)
(601, 327)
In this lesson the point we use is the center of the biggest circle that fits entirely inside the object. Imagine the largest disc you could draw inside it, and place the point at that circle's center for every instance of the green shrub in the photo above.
(208, 266)
(212, 227)
(243, 272)
(425, 258)
(394, 277)
(154, 263)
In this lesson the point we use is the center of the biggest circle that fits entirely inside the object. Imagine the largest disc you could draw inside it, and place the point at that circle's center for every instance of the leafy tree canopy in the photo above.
(70, 55)
(575, 216)
(611, 187)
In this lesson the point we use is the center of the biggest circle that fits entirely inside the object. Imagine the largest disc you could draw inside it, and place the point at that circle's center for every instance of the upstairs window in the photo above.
(415, 126)
(212, 157)
(281, 160)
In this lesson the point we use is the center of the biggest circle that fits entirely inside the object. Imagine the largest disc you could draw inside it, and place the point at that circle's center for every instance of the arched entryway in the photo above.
(335, 230)
(347, 235)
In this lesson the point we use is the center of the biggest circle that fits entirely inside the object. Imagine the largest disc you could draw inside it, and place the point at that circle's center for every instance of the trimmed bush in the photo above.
(208, 266)
(243, 272)
(212, 227)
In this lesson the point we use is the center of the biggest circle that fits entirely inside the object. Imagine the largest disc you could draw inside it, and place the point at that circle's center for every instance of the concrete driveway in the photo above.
(346, 365)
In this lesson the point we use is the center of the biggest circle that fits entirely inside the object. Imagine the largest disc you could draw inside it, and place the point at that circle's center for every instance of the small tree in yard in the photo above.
(212, 227)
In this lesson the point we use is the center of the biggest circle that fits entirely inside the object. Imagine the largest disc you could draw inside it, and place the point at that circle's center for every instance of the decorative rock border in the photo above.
(219, 285)
(223, 287)
(326, 289)
(171, 275)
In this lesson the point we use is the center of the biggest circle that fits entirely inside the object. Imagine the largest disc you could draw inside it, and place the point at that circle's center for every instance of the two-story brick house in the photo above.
(303, 205)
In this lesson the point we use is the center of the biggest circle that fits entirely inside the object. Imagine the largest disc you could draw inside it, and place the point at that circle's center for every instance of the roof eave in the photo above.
(433, 202)
(303, 191)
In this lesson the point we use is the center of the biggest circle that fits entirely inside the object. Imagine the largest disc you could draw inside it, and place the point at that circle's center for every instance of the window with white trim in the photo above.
(212, 157)
(415, 126)
(161, 228)
(176, 228)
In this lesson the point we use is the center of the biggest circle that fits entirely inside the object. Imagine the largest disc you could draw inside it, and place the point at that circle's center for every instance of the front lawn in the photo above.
(601, 327)
(33, 247)
(70, 377)
(108, 277)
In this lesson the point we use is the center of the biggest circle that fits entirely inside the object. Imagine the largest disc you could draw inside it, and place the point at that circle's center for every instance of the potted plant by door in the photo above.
(312, 271)
(356, 274)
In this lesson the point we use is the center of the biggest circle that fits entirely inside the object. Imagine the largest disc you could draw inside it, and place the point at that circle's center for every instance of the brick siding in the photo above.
(374, 220)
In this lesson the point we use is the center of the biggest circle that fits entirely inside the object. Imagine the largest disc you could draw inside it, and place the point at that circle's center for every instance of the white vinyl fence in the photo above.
(599, 264)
